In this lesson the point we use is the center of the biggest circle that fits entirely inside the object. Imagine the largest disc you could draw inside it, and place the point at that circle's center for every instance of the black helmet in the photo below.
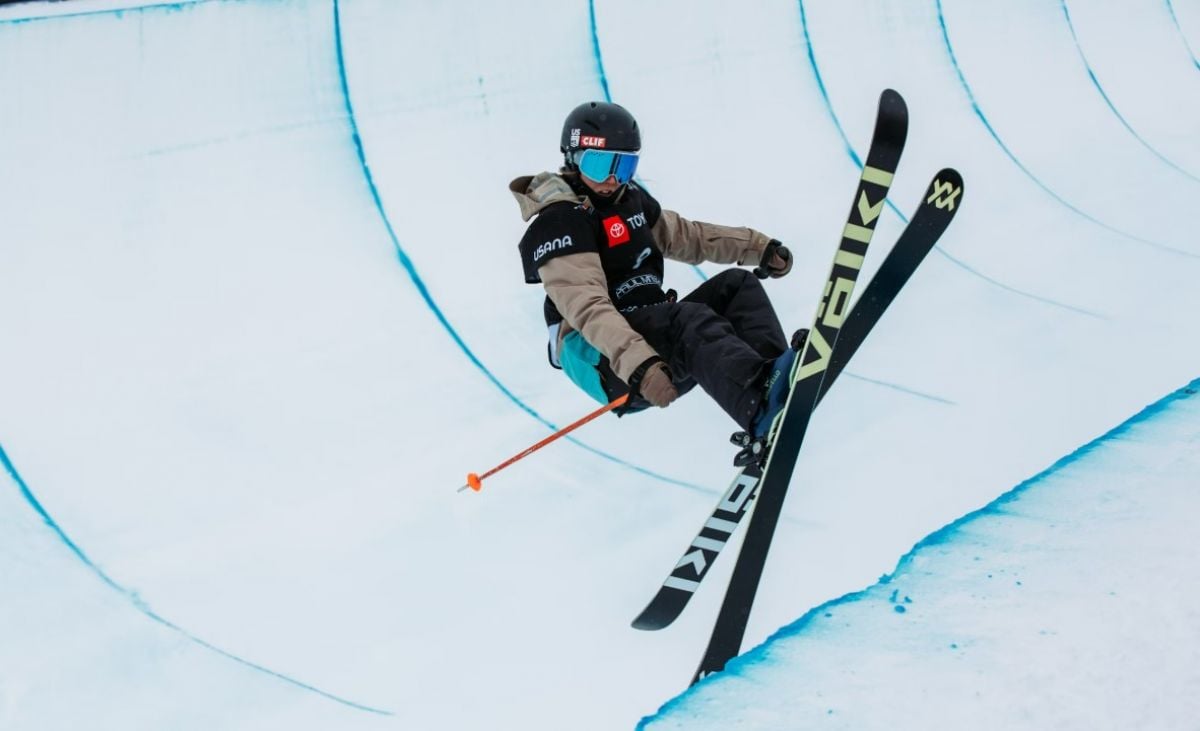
(599, 124)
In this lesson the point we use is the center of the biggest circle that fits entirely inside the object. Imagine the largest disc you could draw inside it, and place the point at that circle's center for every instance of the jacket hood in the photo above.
(535, 192)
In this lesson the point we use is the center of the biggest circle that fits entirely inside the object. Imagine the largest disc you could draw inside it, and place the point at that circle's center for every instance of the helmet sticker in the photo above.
(598, 126)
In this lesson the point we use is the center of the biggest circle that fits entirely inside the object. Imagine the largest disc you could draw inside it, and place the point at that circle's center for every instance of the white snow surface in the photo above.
(1068, 603)
(262, 311)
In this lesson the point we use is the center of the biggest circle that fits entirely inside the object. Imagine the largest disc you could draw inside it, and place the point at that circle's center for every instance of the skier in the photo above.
(597, 246)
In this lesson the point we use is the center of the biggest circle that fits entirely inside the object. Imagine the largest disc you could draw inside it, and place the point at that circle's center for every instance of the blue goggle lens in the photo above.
(597, 165)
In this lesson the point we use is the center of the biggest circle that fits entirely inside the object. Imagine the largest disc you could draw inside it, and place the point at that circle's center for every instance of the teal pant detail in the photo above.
(581, 362)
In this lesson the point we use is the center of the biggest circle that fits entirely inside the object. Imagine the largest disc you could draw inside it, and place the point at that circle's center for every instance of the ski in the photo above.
(926, 226)
(808, 374)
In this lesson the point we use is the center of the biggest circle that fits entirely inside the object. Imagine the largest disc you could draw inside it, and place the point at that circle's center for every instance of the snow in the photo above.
(262, 312)
(1066, 603)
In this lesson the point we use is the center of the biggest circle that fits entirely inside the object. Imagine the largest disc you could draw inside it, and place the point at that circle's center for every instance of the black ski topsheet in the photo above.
(936, 210)
(887, 143)
(934, 214)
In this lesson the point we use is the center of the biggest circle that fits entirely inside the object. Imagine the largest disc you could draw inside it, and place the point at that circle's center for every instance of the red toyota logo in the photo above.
(616, 230)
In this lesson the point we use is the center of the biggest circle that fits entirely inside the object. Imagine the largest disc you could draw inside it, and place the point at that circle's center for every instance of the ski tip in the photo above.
(950, 174)
(891, 96)
(945, 192)
(659, 613)
(645, 624)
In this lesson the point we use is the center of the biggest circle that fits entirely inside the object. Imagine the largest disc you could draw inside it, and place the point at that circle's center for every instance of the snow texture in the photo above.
(1067, 603)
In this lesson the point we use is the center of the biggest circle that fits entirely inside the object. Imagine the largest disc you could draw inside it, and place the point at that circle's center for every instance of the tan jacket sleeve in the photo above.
(577, 287)
(693, 242)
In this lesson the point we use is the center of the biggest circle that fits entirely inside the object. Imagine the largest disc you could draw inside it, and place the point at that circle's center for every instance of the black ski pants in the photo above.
(722, 336)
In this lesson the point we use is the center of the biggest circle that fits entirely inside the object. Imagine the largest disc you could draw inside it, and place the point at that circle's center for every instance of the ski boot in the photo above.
(776, 390)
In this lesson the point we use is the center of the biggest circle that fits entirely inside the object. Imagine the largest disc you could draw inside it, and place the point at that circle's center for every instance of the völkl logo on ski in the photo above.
(944, 194)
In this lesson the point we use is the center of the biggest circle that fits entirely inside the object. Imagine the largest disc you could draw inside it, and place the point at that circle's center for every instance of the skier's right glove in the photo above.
(652, 380)
(776, 261)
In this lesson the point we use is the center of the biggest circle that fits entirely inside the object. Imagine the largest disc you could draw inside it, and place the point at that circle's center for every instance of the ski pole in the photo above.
(475, 482)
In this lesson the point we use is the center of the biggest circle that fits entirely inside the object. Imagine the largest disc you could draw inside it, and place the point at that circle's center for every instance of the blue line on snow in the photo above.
(116, 12)
(1188, 46)
(79, 553)
(144, 608)
(1011, 156)
(902, 389)
(946, 533)
(1112, 107)
(596, 50)
(419, 283)
(812, 62)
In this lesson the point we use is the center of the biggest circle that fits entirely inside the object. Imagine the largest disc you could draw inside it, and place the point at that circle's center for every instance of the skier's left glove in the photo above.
(776, 261)
(652, 380)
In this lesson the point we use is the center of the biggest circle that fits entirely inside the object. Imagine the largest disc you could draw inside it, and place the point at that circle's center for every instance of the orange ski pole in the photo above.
(475, 482)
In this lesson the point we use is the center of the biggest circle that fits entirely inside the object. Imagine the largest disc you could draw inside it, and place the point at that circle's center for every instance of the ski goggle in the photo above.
(597, 165)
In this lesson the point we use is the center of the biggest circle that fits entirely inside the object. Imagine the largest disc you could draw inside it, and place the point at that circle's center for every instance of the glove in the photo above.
(776, 261)
(655, 385)
(781, 263)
